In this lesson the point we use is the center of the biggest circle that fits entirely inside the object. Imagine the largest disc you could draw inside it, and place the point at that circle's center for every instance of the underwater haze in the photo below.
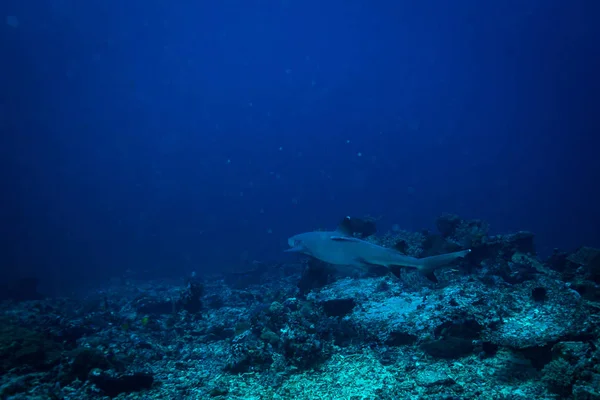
(167, 138)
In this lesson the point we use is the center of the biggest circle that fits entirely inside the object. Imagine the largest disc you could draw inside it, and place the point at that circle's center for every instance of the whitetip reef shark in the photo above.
(340, 247)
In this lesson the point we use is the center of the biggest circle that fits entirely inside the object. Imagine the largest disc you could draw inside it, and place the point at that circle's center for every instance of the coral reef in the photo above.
(501, 324)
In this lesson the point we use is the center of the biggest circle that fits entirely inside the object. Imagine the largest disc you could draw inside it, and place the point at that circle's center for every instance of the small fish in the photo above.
(339, 247)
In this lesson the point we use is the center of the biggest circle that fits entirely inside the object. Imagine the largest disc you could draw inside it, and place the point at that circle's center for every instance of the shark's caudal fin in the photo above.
(429, 264)
(433, 262)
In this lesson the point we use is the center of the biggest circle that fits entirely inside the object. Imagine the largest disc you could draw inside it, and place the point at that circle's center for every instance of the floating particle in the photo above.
(228, 161)
(12, 21)
(269, 231)
(359, 154)
(280, 148)
(348, 141)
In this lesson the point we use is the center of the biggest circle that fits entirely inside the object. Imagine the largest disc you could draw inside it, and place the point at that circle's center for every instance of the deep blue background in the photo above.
(177, 136)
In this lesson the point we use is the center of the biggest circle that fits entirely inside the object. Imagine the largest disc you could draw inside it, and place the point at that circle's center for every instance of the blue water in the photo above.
(197, 136)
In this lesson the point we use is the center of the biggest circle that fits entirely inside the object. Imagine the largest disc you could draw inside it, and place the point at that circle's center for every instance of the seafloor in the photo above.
(502, 324)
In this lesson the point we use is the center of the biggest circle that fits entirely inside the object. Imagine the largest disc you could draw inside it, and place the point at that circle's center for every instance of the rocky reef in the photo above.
(500, 324)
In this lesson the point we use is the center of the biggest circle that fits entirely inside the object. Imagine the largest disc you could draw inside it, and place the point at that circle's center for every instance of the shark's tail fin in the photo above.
(433, 262)
(430, 264)
(426, 265)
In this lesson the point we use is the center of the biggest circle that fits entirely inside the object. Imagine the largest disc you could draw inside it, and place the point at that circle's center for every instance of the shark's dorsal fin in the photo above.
(356, 227)
(344, 228)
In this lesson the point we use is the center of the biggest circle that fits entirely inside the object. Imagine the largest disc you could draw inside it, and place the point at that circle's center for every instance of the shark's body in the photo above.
(339, 248)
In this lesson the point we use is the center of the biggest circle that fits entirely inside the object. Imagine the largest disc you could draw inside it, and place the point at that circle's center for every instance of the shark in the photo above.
(342, 248)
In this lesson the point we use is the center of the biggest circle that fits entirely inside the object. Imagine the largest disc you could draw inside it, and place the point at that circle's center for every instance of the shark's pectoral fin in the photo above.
(362, 261)
(297, 249)
(344, 239)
